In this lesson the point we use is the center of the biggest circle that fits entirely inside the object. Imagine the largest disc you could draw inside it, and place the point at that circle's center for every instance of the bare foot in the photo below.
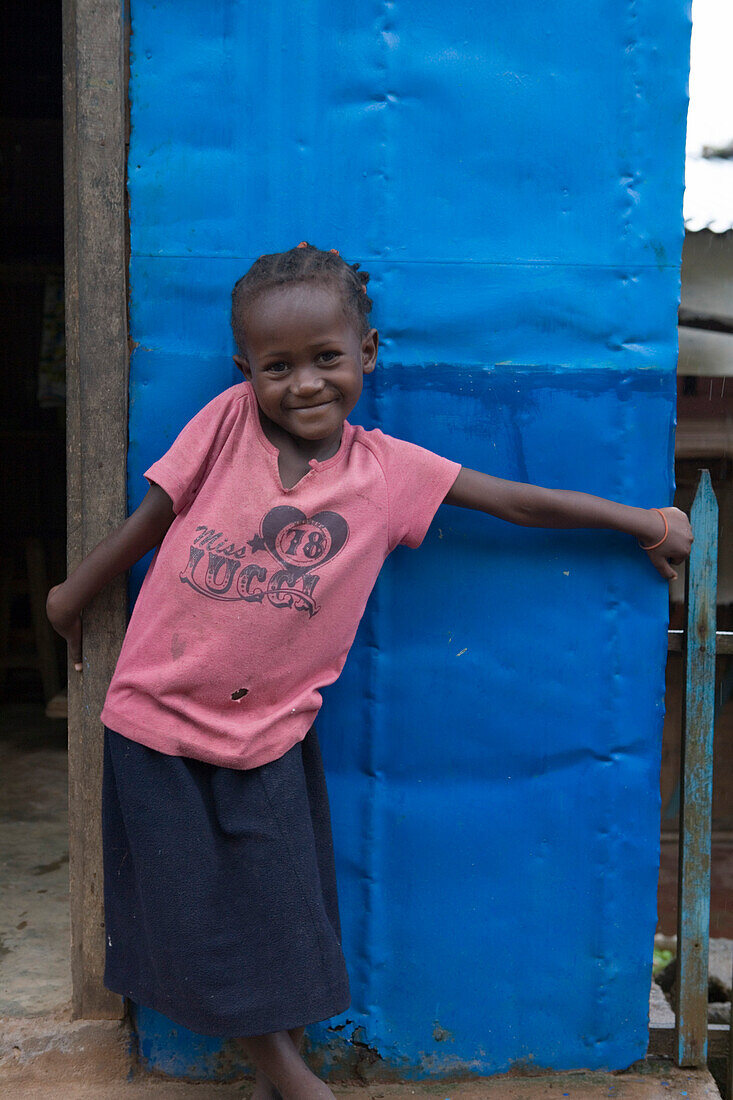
(264, 1089)
(277, 1060)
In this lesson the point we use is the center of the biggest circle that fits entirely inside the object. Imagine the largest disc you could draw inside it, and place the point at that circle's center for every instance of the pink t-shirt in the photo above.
(253, 598)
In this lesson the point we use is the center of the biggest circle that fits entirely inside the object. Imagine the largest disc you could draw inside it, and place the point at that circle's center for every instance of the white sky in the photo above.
(708, 200)
(710, 115)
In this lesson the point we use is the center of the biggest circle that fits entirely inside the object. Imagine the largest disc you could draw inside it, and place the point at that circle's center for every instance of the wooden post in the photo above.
(697, 782)
(729, 1074)
(94, 53)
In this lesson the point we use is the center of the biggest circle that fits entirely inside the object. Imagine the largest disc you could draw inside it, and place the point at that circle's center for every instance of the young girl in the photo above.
(272, 516)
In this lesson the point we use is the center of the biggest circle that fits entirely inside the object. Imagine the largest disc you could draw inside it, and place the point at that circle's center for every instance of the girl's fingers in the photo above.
(662, 566)
(676, 545)
(67, 623)
(680, 530)
(74, 642)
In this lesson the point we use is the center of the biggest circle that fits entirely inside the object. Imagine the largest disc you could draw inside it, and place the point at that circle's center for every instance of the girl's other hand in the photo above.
(140, 532)
(66, 621)
(675, 547)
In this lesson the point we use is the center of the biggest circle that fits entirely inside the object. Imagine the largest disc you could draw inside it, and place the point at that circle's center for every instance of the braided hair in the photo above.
(303, 264)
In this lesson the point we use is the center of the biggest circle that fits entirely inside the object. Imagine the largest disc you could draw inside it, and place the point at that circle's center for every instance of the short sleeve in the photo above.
(183, 468)
(418, 482)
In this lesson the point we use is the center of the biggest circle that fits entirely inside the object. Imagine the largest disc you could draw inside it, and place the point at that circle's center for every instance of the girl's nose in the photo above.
(307, 382)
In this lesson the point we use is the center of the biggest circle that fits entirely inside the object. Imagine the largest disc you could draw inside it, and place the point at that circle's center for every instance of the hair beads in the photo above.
(304, 263)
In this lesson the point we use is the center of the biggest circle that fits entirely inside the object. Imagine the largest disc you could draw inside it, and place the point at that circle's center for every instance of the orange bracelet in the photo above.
(654, 545)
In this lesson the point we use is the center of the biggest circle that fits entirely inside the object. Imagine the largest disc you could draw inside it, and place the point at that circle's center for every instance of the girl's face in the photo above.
(305, 359)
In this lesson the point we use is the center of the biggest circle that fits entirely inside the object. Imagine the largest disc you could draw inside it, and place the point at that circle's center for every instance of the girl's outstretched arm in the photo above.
(140, 532)
(532, 506)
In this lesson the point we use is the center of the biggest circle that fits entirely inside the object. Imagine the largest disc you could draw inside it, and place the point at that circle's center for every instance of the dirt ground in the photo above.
(653, 1081)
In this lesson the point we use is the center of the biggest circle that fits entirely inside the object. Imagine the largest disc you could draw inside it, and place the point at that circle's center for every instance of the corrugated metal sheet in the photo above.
(512, 178)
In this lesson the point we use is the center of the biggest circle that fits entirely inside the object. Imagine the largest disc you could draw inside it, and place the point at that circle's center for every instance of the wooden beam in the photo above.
(705, 437)
(97, 363)
(693, 919)
(709, 354)
(663, 1040)
(723, 641)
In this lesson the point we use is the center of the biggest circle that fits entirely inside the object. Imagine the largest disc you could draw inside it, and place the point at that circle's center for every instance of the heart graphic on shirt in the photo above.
(301, 542)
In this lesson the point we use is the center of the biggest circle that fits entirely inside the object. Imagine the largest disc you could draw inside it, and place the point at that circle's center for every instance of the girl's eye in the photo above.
(277, 368)
(329, 356)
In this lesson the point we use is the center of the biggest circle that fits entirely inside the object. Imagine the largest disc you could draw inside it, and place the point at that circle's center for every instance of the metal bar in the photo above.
(697, 782)
(723, 641)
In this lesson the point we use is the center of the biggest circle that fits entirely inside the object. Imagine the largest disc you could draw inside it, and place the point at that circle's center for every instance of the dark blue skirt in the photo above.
(220, 892)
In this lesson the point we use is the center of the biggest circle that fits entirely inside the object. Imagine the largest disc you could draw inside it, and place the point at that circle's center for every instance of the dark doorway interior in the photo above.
(34, 923)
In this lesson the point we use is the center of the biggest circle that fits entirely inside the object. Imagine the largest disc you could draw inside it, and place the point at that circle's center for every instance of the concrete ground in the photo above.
(63, 1059)
(35, 975)
(95, 1072)
(488, 1090)
(691, 1088)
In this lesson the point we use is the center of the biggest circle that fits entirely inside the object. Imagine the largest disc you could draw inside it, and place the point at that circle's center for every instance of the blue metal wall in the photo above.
(511, 176)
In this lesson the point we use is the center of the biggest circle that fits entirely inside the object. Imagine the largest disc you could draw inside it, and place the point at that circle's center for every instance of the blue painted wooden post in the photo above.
(697, 782)
(728, 1095)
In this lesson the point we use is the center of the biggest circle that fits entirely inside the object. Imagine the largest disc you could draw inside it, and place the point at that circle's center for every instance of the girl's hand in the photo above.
(67, 622)
(675, 547)
(140, 532)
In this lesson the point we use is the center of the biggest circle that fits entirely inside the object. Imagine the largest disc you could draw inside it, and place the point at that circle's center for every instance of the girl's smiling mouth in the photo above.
(314, 405)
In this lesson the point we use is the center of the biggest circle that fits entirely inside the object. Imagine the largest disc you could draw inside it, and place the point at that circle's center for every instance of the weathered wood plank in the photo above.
(96, 338)
(697, 781)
